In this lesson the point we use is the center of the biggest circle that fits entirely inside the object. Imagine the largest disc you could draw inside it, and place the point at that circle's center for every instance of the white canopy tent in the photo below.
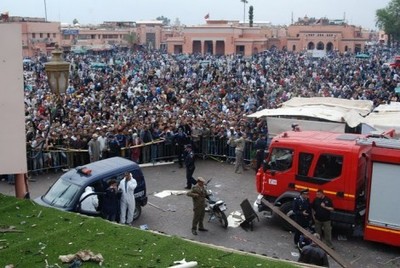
(385, 117)
(331, 114)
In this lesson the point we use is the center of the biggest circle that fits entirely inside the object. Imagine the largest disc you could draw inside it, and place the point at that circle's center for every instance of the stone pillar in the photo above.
(214, 47)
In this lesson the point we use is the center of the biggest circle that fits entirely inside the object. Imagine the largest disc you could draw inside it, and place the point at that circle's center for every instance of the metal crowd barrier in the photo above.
(46, 160)
(216, 148)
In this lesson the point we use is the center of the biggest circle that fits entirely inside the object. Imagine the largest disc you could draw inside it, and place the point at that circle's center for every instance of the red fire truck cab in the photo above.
(345, 166)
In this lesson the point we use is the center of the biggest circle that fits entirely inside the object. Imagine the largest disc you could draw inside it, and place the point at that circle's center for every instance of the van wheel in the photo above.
(287, 209)
(138, 211)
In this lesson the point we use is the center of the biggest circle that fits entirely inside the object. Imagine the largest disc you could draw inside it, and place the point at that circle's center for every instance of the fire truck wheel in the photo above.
(286, 208)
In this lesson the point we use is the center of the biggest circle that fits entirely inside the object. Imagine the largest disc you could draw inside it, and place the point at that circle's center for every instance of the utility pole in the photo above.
(244, 10)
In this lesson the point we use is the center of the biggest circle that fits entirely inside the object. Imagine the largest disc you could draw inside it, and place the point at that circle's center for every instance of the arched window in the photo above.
(346, 48)
(320, 46)
(329, 46)
(357, 48)
(311, 46)
(294, 48)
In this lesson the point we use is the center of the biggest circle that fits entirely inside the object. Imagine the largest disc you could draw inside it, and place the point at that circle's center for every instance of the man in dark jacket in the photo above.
(110, 201)
(190, 167)
(302, 212)
(260, 146)
(180, 140)
(313, 254)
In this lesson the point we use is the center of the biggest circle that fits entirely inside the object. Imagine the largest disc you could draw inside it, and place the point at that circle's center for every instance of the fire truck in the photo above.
(361, 174)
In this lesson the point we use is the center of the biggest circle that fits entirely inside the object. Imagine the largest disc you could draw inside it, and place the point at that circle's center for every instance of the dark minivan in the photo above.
(65, 193)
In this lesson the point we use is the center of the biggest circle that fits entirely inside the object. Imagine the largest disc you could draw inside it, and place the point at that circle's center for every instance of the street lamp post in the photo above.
(57, 71)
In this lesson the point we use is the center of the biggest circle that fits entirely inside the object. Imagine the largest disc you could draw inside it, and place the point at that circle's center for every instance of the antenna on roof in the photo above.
(45, 10)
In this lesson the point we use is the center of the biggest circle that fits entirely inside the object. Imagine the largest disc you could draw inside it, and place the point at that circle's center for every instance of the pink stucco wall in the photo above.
(215, 37)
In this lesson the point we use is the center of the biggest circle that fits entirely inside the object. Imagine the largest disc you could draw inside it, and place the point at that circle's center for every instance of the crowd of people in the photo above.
(136, 97)
(141, 96)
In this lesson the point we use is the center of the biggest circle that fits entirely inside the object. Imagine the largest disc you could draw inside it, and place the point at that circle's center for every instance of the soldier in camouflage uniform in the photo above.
(199, 194)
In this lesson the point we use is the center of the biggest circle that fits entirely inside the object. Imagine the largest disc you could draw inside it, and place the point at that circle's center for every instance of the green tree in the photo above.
(388, 19)
(251, 16)
(131, 39)
(75, 21)
(165, 20)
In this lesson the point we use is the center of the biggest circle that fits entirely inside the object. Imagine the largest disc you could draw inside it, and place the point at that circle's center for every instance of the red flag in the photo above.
(207, 16)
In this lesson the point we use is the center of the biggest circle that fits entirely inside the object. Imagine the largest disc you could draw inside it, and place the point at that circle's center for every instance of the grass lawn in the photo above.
(34, 236)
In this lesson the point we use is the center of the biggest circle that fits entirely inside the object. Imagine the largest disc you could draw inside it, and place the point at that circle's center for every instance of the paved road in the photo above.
(173, 215)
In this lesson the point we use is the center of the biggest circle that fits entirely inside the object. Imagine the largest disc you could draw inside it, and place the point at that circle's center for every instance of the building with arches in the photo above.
(310, 34)
(215, 37)
(224, 37)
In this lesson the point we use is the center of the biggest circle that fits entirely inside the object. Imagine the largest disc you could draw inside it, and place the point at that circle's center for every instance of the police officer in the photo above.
(190, 167)
(180, 139)
(302, 213)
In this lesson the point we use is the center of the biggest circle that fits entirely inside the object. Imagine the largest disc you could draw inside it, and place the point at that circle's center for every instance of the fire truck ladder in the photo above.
(380, 142)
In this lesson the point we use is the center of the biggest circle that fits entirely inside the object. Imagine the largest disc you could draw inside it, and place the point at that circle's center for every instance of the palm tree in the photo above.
(251, 16)
(244, 10)
(131, 39)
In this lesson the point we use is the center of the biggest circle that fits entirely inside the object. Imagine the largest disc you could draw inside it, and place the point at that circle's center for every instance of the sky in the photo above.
(192, 12)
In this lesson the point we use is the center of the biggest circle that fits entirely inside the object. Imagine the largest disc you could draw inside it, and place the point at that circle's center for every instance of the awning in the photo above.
(98, 65)
(79, 50)
(385, 117)
(350, 112)
(362, 56)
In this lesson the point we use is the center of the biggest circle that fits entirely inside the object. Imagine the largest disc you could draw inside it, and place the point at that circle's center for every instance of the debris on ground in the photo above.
(83, 255)
(166, 193)
(171, 208)
(342, 238)
(183, 264)
(144, 227)
(157, 207)
(235, 219)
(9, 229)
